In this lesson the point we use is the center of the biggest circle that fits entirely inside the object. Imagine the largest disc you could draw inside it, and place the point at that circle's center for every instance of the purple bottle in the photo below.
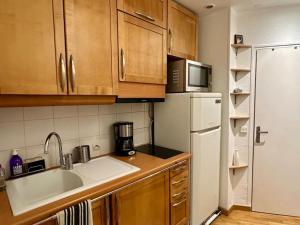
(16, 164)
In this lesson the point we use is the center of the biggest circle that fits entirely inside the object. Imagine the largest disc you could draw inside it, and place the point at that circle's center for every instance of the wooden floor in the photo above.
(250, 218)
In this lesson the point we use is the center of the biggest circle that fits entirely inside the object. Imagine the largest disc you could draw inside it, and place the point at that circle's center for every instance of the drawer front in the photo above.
(180, 212)
(179, 169)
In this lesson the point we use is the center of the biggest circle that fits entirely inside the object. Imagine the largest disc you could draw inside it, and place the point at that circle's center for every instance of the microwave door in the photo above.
(197, 77)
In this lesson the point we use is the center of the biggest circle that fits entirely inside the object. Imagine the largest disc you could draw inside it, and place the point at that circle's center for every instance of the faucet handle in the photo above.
(68, 161)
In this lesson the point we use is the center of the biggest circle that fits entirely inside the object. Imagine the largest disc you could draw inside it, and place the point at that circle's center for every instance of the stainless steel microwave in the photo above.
(188, 76)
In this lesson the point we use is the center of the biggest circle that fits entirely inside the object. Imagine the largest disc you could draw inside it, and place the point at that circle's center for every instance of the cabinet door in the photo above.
(142, 51)
(179, 212)
(32, 41)
(146, 202)
(153, 11)
(182, 32)
(101, 213)
(90, 32)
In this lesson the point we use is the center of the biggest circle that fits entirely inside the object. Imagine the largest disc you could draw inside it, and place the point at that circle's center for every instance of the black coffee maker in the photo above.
(124, 138)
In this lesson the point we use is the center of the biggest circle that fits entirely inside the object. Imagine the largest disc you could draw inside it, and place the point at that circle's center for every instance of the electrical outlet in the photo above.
(96, 147)
(244, 129)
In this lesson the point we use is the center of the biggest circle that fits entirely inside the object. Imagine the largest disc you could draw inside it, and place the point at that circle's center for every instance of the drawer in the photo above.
(179, 169)
(179, 195)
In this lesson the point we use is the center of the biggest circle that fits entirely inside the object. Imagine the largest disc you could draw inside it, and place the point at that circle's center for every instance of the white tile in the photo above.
(124, 108)
(107, 109)
(68, 146)
(125, 117)
(11, 114)
(35, 113)
(106, 123)
(147, 135)
(11, 135)
(138, 107)
(147, 106)
(138, 120)
(65, 111)
(107, 144)
(139, 137)
(36, 131)
(88, 126)
(67, 128)
(88, 110)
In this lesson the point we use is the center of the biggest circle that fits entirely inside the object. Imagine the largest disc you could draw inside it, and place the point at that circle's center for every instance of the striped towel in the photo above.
(80, 214)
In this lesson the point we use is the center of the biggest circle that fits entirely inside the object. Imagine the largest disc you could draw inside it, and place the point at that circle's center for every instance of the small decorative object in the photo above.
(236, 158)
(238, 39)
(237, 90)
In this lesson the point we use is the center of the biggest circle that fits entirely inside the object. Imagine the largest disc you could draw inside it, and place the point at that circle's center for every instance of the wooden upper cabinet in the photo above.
(91, 46)
(146, 202)
(153, 11)
(182, 31)
(31, 42)
(142, 51)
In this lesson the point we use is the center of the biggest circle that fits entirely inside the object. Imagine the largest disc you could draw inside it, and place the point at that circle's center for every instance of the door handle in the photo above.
(62, 70)
(123, 65)
(144, 16)
(72, 73)
(258, 133)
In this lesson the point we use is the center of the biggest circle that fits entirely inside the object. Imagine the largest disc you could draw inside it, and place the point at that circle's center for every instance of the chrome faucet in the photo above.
(64, 164)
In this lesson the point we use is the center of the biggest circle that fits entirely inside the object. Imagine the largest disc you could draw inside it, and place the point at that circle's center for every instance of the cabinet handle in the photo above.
(123, 65)
(171, 40)
(179, 203)
(178, 194)
(180, 168)
(145, 16)
(179, 181)
(62, 71)
(107, 210)
(72, 73)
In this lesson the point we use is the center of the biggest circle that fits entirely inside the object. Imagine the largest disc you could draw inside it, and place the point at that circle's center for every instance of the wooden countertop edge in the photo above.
(148, 165)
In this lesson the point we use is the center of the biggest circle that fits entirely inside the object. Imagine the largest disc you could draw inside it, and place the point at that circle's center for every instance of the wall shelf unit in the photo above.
(239, 94)
(240, 46)
(241, 166)
(239, 117)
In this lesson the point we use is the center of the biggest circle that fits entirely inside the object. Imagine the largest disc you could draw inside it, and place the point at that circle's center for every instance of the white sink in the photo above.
(40, 189)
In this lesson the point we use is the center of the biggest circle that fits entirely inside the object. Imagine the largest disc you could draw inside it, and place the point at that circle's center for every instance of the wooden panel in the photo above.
(99, 212)
(89, 42)
(144, 203)
(183, 31)
(137, 90)
(144, 47)
(32, 39)
(156, 9)
(179, 212)
(30, 100)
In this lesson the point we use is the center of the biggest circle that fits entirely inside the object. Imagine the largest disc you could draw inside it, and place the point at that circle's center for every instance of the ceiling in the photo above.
(239, 5)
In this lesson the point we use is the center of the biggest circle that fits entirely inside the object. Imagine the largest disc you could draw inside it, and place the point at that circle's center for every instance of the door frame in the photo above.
(255, 48)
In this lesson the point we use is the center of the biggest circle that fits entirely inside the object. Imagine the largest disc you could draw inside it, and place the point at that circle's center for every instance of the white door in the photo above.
(276, 171)
(205, 175)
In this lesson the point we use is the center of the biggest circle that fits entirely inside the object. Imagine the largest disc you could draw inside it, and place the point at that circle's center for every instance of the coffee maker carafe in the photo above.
(124, 138)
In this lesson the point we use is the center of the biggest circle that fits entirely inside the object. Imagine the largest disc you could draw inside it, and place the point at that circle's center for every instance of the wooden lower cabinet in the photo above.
(101, 211)
(145, 203)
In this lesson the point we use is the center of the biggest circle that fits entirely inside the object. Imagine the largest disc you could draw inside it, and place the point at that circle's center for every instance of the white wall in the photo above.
(213, 49)
(278, 25)
(27, 128)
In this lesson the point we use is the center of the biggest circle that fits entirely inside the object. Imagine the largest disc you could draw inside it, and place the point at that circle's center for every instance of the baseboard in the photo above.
(234, 207)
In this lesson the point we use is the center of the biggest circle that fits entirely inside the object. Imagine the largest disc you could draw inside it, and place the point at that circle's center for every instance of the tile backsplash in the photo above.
(27, 128)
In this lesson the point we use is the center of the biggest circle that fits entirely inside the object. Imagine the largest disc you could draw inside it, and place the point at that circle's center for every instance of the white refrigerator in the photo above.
(191, 122)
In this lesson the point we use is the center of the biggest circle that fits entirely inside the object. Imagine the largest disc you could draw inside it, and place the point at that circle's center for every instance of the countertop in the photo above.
(148, 165)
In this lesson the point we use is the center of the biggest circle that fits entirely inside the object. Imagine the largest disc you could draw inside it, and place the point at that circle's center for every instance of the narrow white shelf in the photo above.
(241, 166)
(239, 117)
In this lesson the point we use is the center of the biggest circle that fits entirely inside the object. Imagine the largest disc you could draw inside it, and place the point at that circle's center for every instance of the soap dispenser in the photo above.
(16, 164)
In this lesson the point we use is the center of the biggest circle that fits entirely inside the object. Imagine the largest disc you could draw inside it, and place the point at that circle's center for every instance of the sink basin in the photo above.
(33, 191)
